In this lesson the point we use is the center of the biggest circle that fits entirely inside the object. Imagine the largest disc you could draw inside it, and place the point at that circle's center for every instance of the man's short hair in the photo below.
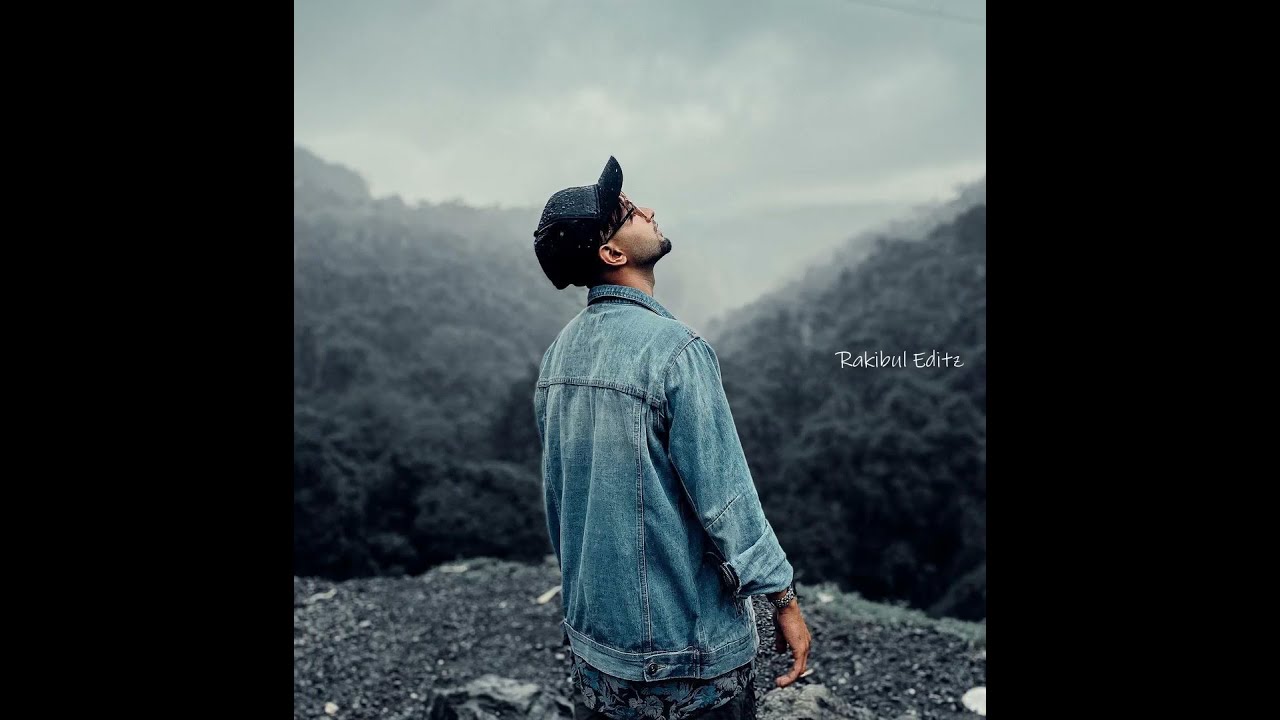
(571, 249)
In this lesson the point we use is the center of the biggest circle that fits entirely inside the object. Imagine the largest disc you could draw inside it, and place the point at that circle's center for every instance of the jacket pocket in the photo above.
(728, 577)
(728, 580)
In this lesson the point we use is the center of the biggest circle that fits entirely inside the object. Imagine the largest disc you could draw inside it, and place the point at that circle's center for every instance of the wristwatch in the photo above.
(786, 598)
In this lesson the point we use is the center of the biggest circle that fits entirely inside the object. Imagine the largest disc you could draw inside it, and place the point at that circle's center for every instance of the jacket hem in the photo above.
(691, 662)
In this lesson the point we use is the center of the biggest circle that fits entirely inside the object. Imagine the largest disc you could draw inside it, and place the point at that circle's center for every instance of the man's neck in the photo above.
(642, 281)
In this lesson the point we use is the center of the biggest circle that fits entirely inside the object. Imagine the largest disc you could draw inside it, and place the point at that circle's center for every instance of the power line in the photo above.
(923, 12)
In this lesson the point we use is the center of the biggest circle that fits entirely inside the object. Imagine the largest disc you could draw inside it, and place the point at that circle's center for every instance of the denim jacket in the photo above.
(651, 509)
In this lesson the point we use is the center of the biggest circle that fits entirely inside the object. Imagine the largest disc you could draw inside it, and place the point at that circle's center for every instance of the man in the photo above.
(651, 509)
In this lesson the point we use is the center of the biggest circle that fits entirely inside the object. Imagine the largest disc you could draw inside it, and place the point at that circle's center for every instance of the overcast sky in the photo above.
(717, 110)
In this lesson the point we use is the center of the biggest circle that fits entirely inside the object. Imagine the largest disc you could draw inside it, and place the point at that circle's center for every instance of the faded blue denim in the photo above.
(651, 509)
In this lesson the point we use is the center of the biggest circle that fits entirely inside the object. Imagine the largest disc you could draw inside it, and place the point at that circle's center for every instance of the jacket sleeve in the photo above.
(705, 450)
(550, 505)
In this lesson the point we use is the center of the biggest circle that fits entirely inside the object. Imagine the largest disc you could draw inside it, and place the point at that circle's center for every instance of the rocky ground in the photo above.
(470, 640)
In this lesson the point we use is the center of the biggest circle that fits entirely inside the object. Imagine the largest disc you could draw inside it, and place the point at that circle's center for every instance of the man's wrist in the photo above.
(783, 598)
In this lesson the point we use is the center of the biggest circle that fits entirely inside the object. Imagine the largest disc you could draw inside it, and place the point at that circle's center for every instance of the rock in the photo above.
(808, 702)
(976, 700)
(490, 696)
(322, 596)
(330, 708)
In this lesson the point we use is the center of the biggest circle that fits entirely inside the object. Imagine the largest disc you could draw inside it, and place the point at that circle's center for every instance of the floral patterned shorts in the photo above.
(601, 696)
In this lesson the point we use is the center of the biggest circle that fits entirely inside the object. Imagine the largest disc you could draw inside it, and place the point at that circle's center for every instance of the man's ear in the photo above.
(610, 255)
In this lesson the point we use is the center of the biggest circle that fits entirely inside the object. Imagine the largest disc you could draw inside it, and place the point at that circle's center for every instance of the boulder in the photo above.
(490, 697)
(808, 702)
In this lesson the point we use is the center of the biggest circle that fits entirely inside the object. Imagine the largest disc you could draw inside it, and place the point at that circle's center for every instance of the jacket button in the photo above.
(653, 668)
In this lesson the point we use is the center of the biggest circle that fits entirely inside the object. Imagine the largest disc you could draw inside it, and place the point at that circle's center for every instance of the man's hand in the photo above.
(789, 629)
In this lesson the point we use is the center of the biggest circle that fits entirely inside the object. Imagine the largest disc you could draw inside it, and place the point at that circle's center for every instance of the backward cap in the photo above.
(563, 258)
(587, 202)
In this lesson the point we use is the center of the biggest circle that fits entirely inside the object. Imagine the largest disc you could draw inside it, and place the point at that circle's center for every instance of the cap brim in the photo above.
(609, 187)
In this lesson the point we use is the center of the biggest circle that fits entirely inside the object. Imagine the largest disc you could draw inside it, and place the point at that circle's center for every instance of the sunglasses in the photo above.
(632, 209)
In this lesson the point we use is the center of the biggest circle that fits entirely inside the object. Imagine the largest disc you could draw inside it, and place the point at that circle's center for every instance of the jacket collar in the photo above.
(599, 292)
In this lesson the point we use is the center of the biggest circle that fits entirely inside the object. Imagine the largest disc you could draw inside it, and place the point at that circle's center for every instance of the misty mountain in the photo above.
(719, 262)
(875, 477)
(435, 290)
(417, 335)
(723, 262)
(314, 178)
(821, 259)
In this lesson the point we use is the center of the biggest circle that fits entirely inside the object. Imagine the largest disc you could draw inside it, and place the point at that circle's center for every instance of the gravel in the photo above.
(379, 647)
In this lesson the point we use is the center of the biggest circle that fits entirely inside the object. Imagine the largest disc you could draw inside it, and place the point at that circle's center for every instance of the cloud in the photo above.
(709, 106)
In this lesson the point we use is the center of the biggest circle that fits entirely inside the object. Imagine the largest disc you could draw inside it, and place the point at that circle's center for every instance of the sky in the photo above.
(721, 113)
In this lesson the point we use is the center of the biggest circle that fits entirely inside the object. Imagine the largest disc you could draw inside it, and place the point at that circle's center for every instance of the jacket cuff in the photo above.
(760, 569)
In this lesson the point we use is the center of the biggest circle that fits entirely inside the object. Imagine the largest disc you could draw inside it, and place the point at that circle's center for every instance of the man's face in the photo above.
(640, 237)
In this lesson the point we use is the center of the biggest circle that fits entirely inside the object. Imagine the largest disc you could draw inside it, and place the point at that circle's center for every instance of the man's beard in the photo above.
(664, 247)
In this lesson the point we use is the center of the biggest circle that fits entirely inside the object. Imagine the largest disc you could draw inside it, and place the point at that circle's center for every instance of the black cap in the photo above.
(589, 202)
(594, 203)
